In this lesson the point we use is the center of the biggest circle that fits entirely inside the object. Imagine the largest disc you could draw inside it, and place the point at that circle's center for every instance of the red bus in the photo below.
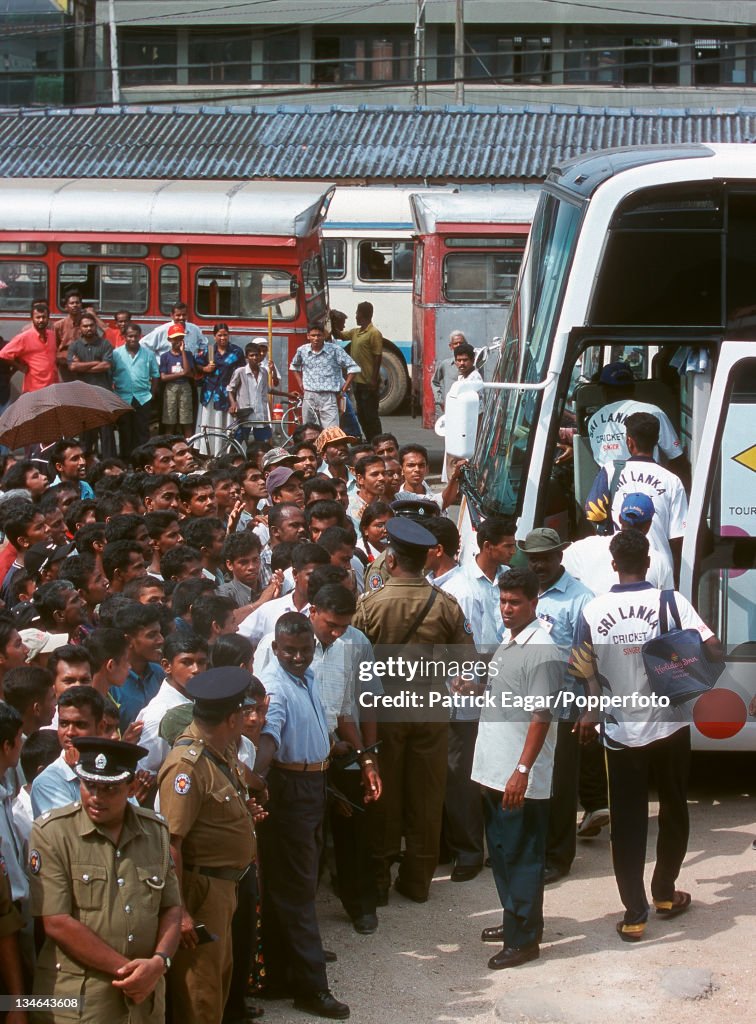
(247, 253)
(469, 246)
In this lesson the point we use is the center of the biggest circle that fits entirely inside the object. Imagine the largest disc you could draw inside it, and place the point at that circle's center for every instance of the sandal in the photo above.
(631, 932)
(677, 905)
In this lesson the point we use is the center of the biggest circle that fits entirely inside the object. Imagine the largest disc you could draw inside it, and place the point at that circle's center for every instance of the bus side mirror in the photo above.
(460, 420)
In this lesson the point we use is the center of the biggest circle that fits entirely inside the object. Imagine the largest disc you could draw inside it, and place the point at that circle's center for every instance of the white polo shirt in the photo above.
(590, 561)
(529, 665)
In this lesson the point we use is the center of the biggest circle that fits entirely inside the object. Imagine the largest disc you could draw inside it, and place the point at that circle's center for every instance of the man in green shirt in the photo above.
(366, 350)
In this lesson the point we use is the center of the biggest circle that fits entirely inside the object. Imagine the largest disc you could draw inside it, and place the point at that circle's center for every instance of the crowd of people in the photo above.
(193, 684)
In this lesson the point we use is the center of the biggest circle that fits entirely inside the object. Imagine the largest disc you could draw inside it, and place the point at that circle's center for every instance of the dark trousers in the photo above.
(105, 436)
(134, 427)
(291, 840)
(561, 841)
(631, 770)
(463, 807)
(244, 939)
(517, 847)
(413, 771)
(594, 795)
(367, 410)
(351, 846)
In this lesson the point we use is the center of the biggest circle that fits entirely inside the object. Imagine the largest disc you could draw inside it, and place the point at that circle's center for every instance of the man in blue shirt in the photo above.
(319, 370)
(135, 377)
(293, 755)
(561, 599)
(141, 624)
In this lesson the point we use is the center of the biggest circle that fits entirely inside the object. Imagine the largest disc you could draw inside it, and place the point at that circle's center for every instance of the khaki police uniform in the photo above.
(413, 753)
(10, 919)
(203, 797)
(117, 891)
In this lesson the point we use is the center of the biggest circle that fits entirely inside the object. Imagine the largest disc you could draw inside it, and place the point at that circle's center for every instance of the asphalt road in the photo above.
(426, 964)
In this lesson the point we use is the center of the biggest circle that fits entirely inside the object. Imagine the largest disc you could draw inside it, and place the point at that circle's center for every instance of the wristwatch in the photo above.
(522, 769)
(165, 958)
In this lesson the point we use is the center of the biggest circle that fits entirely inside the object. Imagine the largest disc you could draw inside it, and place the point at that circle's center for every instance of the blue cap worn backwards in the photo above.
(637, 509)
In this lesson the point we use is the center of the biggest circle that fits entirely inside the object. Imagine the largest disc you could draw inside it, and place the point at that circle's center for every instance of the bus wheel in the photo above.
(394, 383)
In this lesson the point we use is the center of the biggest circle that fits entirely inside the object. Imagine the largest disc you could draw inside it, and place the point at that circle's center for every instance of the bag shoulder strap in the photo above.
(420, 616)
(668, 606)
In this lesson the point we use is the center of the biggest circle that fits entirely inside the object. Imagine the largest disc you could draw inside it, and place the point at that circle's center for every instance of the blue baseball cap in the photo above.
(616, 375)
(637, 509)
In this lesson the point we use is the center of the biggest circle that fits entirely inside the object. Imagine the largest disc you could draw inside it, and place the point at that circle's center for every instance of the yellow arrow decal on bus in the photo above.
(747, 458)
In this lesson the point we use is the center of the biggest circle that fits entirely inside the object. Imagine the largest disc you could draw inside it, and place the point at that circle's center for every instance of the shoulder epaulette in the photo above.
(57, 812)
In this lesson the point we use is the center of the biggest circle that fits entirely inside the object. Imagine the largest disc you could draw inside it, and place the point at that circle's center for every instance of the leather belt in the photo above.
(227, 874)
(303, 766)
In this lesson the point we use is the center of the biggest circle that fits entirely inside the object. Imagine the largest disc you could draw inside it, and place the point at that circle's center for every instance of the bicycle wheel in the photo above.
(290, 421)
(216, 444)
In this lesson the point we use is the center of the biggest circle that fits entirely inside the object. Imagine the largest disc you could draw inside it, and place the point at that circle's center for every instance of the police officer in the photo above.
(418, 510)
(103, 884)
(11, 974)
(204, 799)
(414, 743)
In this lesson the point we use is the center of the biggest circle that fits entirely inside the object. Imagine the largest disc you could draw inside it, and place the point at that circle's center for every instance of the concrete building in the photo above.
(651, 53)
(35, 42)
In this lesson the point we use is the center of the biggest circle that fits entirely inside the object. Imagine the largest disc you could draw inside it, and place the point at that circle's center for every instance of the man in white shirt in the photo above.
(589, 560)
(641, 742)
(248, 393)
(606, 428)
(641, 474)
(305, 558)
(194, 340)
(514, 758)
(184, 657)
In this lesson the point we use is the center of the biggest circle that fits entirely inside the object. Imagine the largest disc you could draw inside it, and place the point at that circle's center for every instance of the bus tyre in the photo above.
(394, 383)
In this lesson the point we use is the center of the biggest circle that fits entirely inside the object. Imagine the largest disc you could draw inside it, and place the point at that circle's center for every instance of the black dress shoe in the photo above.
(511, 957)
(466, 873)
(408, 895)
(493, 934)
(365, 924)
(330, 956)
(552, 875)
(322, 1004)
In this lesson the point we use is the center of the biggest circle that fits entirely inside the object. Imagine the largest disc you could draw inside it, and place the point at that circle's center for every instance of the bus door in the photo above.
(719, 550)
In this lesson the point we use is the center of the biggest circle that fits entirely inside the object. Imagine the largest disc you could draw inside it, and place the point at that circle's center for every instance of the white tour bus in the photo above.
(647, 255)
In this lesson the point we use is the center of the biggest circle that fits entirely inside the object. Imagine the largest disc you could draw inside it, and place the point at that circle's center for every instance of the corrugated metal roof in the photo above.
(340, 143)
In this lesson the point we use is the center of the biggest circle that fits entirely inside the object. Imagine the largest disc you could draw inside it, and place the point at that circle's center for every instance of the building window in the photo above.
(621, 59)
(281, 57)
(498, 55)
(219, 57)
(362, 56)
(714, 63)
(148, 58)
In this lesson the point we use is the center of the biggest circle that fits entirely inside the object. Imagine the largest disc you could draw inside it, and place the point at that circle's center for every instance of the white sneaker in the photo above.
(592, 823)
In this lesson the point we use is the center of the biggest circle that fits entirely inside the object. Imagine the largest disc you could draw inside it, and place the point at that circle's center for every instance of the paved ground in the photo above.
(426, 964)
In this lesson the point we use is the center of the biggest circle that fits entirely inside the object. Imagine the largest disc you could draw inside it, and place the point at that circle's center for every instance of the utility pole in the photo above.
(420, 91)
(459, 53)
(115, 82)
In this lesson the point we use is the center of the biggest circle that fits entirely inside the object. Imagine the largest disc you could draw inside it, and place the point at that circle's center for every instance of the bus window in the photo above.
(236, 293)
(103, 249)
(419, 260)
(110, 286)
(480, 277)
(334, 254)
(21, 284)
(384, 260)
(23, 249)
(170, 287)
(314, 289)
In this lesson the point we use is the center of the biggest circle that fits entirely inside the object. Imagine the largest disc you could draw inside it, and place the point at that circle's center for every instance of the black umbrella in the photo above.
(57, 411)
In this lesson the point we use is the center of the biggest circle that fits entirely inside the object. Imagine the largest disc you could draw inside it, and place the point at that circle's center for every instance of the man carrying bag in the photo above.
(644, 738)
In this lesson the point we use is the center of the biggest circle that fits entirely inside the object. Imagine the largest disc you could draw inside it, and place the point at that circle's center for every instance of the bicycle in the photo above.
(218, 443)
